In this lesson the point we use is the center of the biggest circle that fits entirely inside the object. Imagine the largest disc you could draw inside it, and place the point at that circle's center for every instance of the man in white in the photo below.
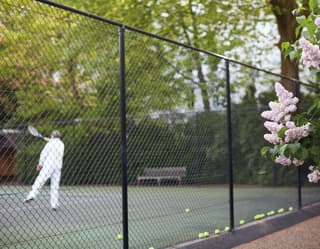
(50, 165)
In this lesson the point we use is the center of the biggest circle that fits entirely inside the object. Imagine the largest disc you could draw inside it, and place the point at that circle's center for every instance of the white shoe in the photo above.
(27, 200)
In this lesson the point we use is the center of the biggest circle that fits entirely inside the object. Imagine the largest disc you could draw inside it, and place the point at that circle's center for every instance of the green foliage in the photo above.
(62, 72)
(313, 4)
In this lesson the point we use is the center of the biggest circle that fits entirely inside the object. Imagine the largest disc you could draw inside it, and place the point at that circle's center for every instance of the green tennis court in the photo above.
(91, 217)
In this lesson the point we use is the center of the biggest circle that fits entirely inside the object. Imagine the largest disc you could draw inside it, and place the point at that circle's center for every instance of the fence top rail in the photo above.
(124, 26)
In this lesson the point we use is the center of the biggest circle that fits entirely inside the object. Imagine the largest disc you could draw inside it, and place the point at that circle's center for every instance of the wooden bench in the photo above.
(167, 173)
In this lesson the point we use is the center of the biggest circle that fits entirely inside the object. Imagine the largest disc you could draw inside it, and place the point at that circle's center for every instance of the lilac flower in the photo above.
(290, 124)
(270, 115)
(297, 162)
(317, 22)
(296, 133)
(314, 176)
(272, 138)
(310, 53)
(281, 111)
(283, 160)
(273, 127)
(278, 117)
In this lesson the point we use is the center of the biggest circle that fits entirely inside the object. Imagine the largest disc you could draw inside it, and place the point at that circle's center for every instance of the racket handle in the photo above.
(44, 138)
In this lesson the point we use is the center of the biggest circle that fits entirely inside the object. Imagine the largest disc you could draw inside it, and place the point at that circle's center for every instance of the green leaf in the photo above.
(294, 147)
(301, 20)
(305, 154)
(274, 151)
(311, 26)
(315, 150)
(281, 132)
(264, 150)
(293, 55)
(285, 45)
(312, 108)
(313, 4)
(283, 149)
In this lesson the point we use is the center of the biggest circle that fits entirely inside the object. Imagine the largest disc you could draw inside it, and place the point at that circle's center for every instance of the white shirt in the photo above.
(52, 154)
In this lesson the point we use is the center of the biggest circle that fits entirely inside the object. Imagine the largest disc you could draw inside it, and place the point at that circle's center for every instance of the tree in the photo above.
(204, 24)
(287, 24)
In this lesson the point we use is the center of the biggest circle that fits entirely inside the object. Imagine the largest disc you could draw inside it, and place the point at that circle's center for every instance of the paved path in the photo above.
(304, 235)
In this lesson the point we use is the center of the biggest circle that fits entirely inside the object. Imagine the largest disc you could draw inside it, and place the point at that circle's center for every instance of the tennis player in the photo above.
(50, 165)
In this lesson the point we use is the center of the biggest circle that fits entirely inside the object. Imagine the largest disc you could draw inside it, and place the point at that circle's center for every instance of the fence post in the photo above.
(297, 94)
(230, 162)
(123, 138)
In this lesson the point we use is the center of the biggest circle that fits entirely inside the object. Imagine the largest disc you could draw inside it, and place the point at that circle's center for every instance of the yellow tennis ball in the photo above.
(187, 210)
(227, 229)
(290, 208)
(151, 247)
(281, 210)
(216, 231)
(201, 235)
(119, 237)
(206, 234)
(241, 222)
(272, 212)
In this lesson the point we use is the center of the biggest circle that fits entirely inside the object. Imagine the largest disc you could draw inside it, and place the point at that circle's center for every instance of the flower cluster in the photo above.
(288, 146)
(310, 53)
(314, 176)
(279, 119)
(281, 111)
(311, 58)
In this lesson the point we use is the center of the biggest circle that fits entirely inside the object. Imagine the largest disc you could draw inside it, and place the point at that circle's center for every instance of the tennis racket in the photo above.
(34, 132)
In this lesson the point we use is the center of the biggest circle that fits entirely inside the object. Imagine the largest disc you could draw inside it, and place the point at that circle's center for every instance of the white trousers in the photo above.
(45, 173)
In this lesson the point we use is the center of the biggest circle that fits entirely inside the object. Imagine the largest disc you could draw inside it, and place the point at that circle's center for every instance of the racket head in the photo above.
(33, 131)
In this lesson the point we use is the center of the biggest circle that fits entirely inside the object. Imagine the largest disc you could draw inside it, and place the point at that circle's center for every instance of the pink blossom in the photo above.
(290, 101)
(280, 115)
(297, 162)
(272, 138)
(290, 108)
(283, 160)
(287, 118)
(310, 53)
(282, 93)
(294, 134)
(274, 106)
(273, 127)
(290, 124)
(281, 111)
(270, 115)
(317, 22)
(314, 176)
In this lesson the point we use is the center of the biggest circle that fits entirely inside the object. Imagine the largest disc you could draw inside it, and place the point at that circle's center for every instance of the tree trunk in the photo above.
(287, 24)
(203, 84)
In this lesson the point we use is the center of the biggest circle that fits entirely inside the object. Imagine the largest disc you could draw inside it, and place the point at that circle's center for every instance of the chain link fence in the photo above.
(161, 139)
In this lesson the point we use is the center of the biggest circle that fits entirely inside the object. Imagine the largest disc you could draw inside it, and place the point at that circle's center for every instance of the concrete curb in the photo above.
(253, 230)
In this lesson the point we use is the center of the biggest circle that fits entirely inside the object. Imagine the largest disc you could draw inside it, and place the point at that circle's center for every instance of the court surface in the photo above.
(91, 216)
